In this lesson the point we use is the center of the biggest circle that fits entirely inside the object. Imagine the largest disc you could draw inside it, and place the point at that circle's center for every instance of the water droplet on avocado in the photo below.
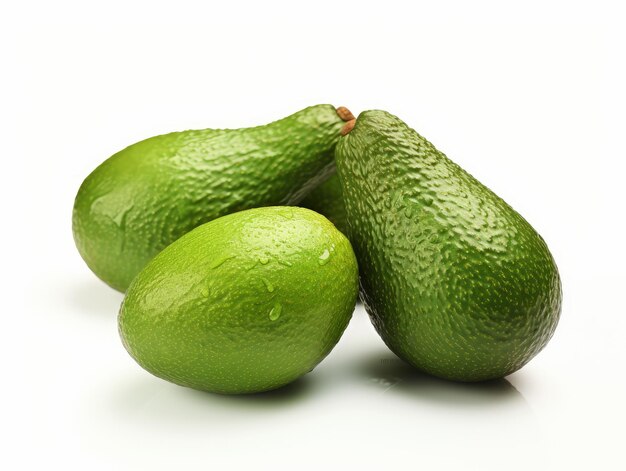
(205, 292)
(264, 260)
(268, 285)
(324, 258)
(220, 261)
(275, 312)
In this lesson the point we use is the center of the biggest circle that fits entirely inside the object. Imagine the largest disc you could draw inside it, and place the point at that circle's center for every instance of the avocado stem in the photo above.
(348, 127)
(344, 113)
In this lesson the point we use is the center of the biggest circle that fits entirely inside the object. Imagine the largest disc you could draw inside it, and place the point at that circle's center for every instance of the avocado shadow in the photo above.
(394, 376)
(289, 394)
(92, 296)
(151, 400)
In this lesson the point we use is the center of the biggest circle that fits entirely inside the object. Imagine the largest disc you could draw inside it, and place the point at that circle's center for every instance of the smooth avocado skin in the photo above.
(327, 199)
(245, 303)
(148, 195)
(455, 281)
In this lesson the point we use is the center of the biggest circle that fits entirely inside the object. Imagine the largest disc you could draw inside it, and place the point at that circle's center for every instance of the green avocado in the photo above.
(326, 199)
(245, 303)
(148, 195)
(455, 281)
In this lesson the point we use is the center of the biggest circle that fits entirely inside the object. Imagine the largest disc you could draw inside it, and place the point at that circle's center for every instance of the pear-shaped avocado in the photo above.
(151, 193)
(326, 199)
(456, 282)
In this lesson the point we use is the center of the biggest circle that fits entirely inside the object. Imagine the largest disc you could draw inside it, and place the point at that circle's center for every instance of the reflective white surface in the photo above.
(529, 101)
(361, 405)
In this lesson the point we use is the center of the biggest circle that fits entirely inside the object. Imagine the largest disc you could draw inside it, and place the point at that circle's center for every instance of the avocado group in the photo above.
(455, 281)
(233, 286)
(148, 195)
(245, 303)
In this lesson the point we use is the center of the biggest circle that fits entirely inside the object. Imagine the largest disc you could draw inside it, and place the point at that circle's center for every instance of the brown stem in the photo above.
(344, 113)
(348, 127)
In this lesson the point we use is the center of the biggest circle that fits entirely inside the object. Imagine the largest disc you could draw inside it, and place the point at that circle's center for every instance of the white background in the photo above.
(527, 96)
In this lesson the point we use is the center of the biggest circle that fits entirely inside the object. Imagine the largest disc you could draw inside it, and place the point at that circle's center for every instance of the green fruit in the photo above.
(245, 303)
(326, 199)
(148, 195)
(456, 282)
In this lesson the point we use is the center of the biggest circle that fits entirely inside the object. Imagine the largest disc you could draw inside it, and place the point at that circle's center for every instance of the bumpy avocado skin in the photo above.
(245, 303)
(151, 193)
(456, 282)
(327, 199)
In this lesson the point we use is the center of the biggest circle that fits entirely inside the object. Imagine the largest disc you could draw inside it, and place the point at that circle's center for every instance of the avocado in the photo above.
(326, 199)
(245, 303)
(455, 281)
(148, 195)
